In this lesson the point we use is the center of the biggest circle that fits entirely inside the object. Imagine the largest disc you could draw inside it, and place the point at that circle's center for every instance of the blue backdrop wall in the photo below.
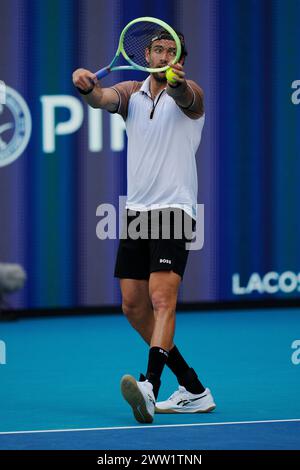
(60, 160)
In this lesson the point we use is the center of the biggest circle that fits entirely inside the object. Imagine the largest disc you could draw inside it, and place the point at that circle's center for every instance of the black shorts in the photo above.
(154, 241)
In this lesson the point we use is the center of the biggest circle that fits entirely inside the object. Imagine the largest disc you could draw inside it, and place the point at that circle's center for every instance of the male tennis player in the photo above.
(164, 122)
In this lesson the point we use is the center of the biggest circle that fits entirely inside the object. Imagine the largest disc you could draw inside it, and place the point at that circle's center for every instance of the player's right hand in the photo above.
(84, 79)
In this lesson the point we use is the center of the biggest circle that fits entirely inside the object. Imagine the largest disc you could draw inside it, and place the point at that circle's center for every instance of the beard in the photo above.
(160, 77)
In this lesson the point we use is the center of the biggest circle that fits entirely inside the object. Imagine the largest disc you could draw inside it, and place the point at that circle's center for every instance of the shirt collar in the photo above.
(145, 88)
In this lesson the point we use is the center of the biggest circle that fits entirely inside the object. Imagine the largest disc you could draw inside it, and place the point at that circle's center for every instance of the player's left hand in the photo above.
(178, 69)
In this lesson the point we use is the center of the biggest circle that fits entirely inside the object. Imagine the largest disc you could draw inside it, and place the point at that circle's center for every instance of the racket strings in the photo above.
(139, 37)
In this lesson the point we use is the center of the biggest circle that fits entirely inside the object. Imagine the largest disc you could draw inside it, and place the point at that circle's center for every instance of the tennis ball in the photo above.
(170, 75)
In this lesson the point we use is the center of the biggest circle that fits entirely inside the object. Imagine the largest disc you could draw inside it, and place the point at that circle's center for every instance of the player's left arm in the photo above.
(186, 93)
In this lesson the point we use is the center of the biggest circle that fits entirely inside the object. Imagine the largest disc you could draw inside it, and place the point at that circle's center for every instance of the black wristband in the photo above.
(85, 92)
(174, 86)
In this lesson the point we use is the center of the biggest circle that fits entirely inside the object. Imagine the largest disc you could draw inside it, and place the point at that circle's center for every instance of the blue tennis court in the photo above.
(60, 384)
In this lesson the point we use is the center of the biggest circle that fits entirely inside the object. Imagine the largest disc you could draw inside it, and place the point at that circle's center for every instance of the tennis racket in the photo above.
(135, 38)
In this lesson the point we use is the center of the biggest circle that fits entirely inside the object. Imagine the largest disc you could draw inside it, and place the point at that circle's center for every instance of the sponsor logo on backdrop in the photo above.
(16, 123)
(53, 128)
(269, 283)
(15, 126)
(295, 358)
(2, 353)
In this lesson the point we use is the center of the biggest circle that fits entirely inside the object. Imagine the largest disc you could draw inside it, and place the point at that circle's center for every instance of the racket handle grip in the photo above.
(102, 72)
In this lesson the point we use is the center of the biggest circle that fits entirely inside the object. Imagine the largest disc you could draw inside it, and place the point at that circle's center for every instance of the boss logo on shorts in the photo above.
(167, 261)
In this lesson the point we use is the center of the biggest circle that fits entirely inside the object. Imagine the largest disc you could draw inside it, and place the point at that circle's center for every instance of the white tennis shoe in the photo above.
(183, 401)
(140, 397)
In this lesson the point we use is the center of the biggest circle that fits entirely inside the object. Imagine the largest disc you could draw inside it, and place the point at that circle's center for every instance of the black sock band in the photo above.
(186, 376)
(176, 362)
(190, 381)
(156, 362)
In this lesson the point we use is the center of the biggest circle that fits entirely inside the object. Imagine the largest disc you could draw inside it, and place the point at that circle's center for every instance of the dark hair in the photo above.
(163, 34)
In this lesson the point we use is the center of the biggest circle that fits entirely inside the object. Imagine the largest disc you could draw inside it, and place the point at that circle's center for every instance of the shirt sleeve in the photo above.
(196, 108)
(124, 91)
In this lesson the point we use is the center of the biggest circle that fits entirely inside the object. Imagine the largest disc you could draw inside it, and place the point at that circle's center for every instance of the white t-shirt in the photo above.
(162, 142)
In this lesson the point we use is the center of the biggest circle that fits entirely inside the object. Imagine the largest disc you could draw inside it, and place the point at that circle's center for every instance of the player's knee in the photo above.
(163, 303)
(131, 309)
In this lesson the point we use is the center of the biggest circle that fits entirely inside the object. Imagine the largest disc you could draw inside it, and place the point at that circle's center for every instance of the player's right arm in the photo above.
(104, 98)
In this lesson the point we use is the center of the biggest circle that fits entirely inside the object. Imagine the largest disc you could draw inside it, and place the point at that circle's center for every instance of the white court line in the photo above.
(117, 428)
